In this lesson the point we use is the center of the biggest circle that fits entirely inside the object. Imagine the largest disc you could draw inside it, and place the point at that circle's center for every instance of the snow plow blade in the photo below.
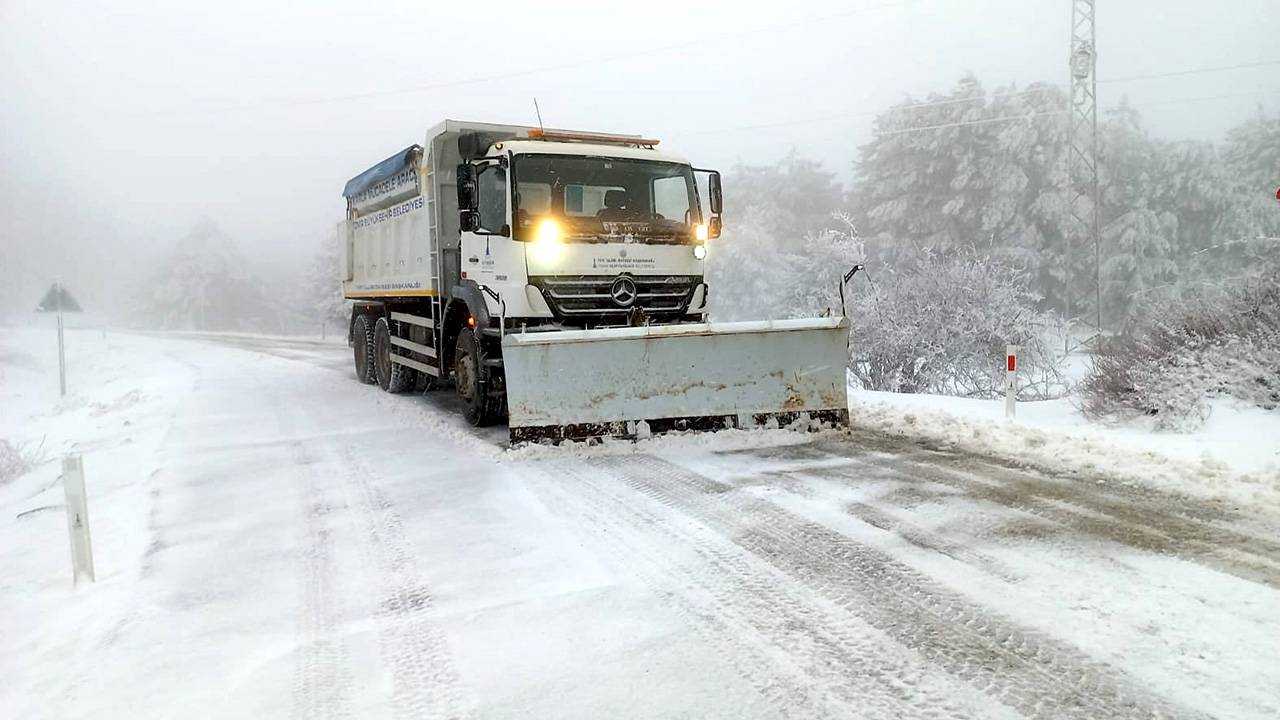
(575, 384)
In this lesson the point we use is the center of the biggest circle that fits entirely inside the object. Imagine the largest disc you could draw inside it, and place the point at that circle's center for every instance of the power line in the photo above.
(570, 65)
(1229, 96)
(1197, 71)
(872, 113)
(966, 123)
(998, 96)
(983, 121)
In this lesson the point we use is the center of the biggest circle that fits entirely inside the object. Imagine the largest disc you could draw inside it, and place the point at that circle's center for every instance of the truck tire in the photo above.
(392, 377)
(479, 408)
(362, 346)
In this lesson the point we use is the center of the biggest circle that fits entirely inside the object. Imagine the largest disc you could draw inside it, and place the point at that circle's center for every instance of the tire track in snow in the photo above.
(323, 682)
(1094, 513)
(424, 682)
(807, 658)
(1038, 676)
(930, 540)
(1137, 517)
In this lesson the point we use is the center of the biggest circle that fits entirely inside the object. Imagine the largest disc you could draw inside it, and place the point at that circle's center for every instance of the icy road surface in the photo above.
(275, 540)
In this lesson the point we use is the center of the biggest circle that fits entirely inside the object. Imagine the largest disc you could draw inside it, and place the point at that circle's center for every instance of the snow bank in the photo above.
(1234, 458)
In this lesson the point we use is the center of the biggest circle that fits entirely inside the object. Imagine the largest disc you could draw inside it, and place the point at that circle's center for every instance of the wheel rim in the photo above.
(466, 386)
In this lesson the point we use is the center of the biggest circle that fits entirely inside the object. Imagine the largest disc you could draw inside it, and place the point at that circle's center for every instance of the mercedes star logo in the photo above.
(623, 291)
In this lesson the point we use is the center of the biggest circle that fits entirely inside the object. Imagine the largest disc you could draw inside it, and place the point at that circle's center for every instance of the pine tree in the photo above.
(1137, 262)
(1136, 249)
(956, 170)
(1250, 238)
(206, 284)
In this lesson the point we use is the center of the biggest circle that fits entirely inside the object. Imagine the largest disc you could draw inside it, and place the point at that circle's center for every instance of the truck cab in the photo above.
(574, 230)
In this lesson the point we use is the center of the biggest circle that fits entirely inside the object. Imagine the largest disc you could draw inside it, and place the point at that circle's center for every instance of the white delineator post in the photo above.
(62, 356)
(1011, 381)
(77, 518)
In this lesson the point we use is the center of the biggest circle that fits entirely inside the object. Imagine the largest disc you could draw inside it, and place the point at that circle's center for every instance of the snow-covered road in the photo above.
(274, 539)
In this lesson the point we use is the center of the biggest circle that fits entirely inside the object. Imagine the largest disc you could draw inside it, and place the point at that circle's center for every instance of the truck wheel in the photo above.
(392, 377)
(480, 408)
(362, 344)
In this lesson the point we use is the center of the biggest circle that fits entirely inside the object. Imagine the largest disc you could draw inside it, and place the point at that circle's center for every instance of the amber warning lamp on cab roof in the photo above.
(591, 137)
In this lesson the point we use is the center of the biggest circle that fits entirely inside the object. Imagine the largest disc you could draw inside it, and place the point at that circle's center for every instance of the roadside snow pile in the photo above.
(1234, 457)
(1178, 356)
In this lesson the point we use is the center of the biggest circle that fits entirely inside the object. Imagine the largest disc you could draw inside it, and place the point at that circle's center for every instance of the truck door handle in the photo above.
(473, 259)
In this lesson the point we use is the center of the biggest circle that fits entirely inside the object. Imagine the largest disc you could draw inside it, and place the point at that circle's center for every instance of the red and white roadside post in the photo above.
(1011, 381)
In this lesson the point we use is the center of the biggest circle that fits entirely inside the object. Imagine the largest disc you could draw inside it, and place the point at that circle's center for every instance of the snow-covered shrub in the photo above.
(757, 274)
(17, 460)
(942, 323)
(1179, 353)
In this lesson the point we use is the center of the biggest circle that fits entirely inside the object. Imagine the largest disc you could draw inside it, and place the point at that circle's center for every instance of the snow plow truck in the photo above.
(557, 278)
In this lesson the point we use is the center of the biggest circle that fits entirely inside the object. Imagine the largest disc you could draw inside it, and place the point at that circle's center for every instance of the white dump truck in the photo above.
(557, 278)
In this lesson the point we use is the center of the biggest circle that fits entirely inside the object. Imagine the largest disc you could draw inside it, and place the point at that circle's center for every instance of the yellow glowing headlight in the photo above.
(547, 248)
(700, 233)
(700, 252)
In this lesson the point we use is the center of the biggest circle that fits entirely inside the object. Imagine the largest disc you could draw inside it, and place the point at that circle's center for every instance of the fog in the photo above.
(126, 123)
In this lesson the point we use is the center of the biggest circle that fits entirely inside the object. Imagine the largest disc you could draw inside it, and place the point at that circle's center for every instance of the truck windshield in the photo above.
(600, 199)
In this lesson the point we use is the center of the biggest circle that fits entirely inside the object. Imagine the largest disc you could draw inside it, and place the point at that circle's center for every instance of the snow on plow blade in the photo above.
(587, 383)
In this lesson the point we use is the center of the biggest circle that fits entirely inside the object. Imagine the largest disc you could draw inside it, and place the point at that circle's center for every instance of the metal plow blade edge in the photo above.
(575, 384)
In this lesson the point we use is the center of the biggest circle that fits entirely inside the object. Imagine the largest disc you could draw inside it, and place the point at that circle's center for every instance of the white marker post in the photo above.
(77, 518)
(62, 354)
(1011, 381)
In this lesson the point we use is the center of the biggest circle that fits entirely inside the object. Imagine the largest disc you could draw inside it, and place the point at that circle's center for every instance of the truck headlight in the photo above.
(700, 251)
(700, 233)
(547, 247)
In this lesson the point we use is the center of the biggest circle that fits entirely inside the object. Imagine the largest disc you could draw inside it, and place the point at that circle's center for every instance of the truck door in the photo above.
(490, 256)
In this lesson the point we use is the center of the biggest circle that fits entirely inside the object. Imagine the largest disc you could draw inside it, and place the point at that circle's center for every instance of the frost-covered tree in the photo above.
(322, 288)
(1136, 253)
(796, 196)
(1250, 237)
(206, 284)
(923, 176)
(1137, 261)
(775, 239)
(756, 274)
(963, 167)
(747, 267)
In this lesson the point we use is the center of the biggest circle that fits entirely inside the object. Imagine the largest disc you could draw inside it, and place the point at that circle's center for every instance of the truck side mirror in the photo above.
(714, 227)
(468, 220)
(714, 193)
(468, 188)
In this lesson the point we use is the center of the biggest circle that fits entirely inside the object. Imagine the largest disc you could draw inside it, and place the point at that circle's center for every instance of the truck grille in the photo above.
(587, 299)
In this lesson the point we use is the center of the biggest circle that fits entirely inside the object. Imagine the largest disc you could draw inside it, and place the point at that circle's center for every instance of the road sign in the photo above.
(57, 299)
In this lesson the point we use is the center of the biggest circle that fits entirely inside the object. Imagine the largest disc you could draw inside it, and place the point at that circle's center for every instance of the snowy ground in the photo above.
(273, 539)
(1233, 459)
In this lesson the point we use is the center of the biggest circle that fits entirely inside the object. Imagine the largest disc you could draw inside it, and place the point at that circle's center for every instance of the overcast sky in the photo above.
(127, 121)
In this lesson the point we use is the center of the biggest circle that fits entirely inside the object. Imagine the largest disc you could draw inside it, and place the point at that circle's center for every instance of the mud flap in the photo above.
(622, 381)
